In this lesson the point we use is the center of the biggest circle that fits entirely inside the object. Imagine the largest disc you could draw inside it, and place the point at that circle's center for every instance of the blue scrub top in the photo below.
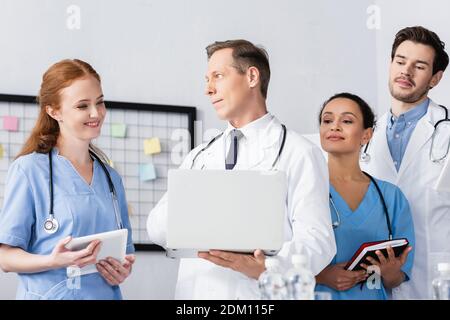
(368, 223)
(80, 209)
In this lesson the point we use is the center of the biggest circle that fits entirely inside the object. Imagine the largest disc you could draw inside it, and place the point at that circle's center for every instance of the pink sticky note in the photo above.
(10, 123)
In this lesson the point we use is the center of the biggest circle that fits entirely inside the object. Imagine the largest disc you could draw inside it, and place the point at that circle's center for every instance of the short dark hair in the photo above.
(368, 115)
(424, 36)
(246, 55)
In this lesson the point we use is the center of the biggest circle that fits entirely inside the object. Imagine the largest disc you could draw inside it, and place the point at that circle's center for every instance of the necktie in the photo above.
(231, 158)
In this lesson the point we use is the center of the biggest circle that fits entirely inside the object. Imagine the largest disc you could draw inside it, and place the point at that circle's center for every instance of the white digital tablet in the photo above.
(113, 244)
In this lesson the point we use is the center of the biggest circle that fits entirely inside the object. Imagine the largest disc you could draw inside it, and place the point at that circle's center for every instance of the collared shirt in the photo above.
(251, 133)
(399, 131)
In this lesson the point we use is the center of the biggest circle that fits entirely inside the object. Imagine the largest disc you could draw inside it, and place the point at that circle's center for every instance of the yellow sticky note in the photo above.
(1, 151)
(152, 146)
(118, 130)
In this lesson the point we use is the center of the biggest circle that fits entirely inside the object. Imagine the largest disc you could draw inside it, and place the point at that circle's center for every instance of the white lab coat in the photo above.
(430, 209)
(307, 211)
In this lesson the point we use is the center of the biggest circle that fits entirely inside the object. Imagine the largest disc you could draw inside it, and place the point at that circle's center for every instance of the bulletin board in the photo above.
(143, 141)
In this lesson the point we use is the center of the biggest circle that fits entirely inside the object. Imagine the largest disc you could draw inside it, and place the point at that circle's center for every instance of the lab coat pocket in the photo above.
(438, 220)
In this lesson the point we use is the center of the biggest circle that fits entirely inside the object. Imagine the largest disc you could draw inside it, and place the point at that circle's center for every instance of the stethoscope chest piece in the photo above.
(365, 157)
(51, 225)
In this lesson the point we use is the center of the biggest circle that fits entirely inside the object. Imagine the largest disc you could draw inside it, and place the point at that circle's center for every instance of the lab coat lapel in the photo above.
(380, 145)
(420, 136)
(255, 158)
(262, 146)
(215, 155)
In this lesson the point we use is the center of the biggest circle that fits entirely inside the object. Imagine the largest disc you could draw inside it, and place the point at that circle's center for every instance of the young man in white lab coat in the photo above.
(236, 82)
(400, 151)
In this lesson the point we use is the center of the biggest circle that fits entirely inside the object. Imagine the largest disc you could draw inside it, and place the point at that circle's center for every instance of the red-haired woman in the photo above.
(60, 187)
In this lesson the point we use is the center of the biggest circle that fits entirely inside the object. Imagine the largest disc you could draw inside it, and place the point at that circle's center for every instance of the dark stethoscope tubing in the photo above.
(383, 201)
(283, 140)
(445, 119)
(51, 221)
(366, 157)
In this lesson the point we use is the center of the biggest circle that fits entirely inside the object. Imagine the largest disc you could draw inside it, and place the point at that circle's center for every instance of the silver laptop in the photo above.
(230, 210)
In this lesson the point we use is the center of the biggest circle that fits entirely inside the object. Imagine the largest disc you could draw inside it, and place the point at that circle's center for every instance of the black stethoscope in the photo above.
(283, 140)
(51, 225)
(337, 223)
(365, 156)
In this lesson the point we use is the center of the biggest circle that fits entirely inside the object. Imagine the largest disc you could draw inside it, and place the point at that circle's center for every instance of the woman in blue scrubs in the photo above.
(71, 115)
(346, 124)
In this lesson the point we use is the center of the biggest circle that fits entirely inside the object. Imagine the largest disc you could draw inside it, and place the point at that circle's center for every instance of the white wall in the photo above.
(153, 277)
(8, 284)
(153, 51)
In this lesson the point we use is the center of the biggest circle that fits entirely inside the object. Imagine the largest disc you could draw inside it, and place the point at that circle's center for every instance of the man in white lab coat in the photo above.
(236, 82)
(400, 151)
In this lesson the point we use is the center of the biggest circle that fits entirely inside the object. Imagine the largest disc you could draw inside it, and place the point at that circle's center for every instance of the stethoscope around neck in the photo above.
(365, 156)
(51, 224)
(280, 150)
(337, 223)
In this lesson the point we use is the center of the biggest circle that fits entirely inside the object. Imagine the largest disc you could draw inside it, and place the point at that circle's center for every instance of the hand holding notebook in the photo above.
(368, 249)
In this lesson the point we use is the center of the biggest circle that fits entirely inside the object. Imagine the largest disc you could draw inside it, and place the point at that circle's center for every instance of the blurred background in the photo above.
(153, 51)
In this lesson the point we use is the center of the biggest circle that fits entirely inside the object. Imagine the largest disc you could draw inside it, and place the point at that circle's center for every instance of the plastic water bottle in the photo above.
(271, 283)
(300, 280)
(441, 285)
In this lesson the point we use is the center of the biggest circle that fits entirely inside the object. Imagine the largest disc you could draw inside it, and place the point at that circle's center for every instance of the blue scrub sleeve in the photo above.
(403, 227)
(124, 213)
(18, 214)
